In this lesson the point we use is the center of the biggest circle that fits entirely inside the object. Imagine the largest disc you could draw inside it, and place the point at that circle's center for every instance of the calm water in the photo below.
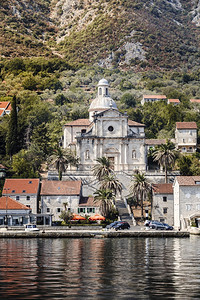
(145, 268)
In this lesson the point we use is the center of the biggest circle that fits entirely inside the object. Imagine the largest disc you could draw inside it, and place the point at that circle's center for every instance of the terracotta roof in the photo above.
(136, 124)
(88, 202)
(79, 122)
(186, 125)
(174, 100)
(155, 141)
(162, 188)
(3, 167)
(154, 97)
(53, 187)
(8, 203)
(195, 100)
(4, 105)
(21, 186)
(188, 180)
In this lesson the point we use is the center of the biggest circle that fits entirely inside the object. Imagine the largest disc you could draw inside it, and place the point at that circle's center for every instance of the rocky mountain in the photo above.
(141, 34)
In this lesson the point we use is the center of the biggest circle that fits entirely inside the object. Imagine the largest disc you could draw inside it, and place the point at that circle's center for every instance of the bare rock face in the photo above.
(196, 14)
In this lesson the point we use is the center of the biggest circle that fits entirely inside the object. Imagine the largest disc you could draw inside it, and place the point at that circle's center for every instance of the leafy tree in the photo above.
(105, 199)
(22, 166)
(166, 155)
(61, 159)
(12, 134)
(66, 216)
(139, 189)
(110, 182)
(129, 100)
(184, 163)
(103, 168)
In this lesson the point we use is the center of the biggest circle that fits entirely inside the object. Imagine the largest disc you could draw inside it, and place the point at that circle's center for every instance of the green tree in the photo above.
(22, 166)
(12, 134)
(166, 155)
(184, 163)
(103, 168)
(110, 182)
(66, 216)
(61, 159)
(140, 189)
(105, 199)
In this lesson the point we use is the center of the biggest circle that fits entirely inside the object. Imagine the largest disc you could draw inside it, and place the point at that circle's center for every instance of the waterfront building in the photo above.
(163, 203)
(14, 213)
(186, 201)
(25, 191)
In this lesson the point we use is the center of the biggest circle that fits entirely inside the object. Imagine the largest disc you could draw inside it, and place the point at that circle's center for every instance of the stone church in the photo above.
(109, 133)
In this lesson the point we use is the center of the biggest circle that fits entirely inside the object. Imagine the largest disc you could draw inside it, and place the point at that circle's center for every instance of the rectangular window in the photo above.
(90, 210)
(28, 198)
(188, 206)
(165, 210)
(48, 209)
(58, 209)
(81, 210)
(17, 198)
(28, 206)
(164, 199)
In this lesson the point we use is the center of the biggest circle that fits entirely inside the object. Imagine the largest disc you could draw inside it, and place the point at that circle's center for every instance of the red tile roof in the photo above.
(4, 105)
(88, 202)
(162, 188)
(53, 187)
(9, 203)
(79, 122)
(154, 97)
(136, 124)
(174, 100)
(21, 186)
(186, 125)
(195, 100)
(188, 180)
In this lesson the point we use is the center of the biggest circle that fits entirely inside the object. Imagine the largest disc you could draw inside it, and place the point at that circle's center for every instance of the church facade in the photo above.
(107, 133)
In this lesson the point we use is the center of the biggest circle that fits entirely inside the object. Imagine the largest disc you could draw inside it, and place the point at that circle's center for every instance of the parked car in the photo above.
(111, 225)
(160, 225)
(31, 227)
(121, 225)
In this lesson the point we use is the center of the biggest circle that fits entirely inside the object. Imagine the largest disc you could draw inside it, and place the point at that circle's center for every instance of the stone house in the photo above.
(173, 101)
(14, 213)
(186, 136)
(25, 191)
(163, 203)
(152, 98)
(186, 201)
(57, 196)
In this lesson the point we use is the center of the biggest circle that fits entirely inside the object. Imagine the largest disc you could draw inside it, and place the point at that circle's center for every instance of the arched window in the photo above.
(106, 91)
(100, 91)
(87, 154)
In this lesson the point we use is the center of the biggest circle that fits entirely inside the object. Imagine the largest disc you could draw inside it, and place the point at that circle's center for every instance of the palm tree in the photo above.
(103, 168)
(166, 155)
(105, 198)
(140, 189)
(110, 182)
(61, 159)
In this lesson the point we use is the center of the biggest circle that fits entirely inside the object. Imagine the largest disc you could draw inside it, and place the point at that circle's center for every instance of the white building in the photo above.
(186, 201)
(152, 98)
(186, 136)
(107, 133)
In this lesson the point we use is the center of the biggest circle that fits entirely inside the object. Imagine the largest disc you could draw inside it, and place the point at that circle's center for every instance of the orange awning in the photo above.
(97, 217)
(77, 217)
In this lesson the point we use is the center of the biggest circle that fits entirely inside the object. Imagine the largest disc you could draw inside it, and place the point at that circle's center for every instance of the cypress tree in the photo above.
(12, 134)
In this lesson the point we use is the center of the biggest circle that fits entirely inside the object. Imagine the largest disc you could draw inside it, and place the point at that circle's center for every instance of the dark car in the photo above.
(111, 225)
(160, 225)
(122, 225)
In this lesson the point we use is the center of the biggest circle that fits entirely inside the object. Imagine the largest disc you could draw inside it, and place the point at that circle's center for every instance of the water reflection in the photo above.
(148, 268)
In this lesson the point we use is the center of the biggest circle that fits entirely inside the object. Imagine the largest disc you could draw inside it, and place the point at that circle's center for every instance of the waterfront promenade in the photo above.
(51, 232)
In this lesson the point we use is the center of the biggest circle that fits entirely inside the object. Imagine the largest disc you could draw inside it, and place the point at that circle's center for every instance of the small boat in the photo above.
(31, 227)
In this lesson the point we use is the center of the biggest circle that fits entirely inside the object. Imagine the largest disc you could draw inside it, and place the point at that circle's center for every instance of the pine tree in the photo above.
(12, 134)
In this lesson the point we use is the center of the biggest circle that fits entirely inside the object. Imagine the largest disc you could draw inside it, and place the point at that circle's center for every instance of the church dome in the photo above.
(103, 101)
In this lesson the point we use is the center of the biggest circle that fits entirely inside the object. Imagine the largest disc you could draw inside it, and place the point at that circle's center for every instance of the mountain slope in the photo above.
(138, 33)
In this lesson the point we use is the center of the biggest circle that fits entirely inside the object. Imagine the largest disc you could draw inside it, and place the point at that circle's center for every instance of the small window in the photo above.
(13, 191)
(197, 182)
(48, 209)
(83, 130)
(17, 198)
(106, 91)
(30, 182)
(58, 209)
(100, 91)
(81, 210)
(164, 199)
(24, 191)
(188, 206)
(162, 220)
(28, 198)
(110, 128)
(28, 206)
(133, 154)
(164, 210)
